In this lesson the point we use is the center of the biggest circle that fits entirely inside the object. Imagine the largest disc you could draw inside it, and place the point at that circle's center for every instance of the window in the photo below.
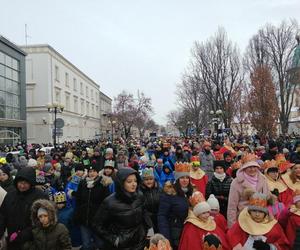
(81, 88)
(97, 112)
(87, 91)
(82, 107)
(87, 108)
(57, 96)
(67, 79)
(93, 110)
(75, 104)
(56, 73)
(92, 94)
(74, 84)
(67, 102)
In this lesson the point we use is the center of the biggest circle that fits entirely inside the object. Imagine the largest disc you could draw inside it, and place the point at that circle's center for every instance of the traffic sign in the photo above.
(59, 132)
(59, 123)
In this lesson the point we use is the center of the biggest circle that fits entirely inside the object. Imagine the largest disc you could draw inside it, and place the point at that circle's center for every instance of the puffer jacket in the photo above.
(237, 197)
(220, 190)
(15, 209)
(173, 210)
(54, 237)
(122, 220)
(152, 202)
(88, 200)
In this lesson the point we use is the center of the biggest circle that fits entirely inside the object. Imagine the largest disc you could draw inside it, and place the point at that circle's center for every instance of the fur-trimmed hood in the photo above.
(105, 180)
(48, 206)
(169, 188)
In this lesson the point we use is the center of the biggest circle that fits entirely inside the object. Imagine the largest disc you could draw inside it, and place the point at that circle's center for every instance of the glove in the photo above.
(260, 245)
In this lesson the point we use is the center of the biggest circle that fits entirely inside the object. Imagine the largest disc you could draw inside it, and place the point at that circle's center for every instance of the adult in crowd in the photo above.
(271, 153)
(295, 155)
(207, 160)
(219, 186)
(6, 180)
(174, 204)
(248, 178)
(15, 209)
(122, 220)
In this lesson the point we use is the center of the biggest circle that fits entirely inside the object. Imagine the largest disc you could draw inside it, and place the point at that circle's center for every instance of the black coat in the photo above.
(122, 217)
(151, 196)
(220, 190)
(88, 200)
(8, 185)
(16, 209)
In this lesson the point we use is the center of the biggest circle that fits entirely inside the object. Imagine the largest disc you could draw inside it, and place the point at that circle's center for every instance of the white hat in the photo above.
(32, 163)
(201, 208)
(213, 202)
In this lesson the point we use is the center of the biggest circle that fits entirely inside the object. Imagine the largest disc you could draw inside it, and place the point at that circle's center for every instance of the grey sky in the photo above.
(137, 44)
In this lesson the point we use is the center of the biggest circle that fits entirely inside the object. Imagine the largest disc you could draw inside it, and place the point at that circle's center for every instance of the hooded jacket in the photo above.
(54, 237)
(122, 220)
(15, 209)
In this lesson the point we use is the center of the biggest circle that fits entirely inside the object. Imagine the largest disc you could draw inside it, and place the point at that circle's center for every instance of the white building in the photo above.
(105, 110)
(51, 78)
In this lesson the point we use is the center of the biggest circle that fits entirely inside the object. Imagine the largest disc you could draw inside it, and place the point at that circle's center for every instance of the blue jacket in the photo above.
(164, 177)
(172, 212)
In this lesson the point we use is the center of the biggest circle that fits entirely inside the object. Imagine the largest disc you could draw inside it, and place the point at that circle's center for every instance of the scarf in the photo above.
(220, 177)
(91, 182)
(252, 180)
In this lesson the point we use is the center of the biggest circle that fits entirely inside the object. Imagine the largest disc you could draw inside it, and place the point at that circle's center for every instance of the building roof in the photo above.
(60, 55)
(12, 45)
(101, 93)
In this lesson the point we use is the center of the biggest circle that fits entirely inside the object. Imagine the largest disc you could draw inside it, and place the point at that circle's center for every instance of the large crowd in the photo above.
(166, 193)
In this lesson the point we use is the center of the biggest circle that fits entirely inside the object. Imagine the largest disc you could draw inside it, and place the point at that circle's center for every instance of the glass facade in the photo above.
(9, 87)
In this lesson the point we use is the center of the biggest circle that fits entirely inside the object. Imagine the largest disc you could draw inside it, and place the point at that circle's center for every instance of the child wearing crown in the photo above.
(199, 224)
(198, 176)
(255, 229)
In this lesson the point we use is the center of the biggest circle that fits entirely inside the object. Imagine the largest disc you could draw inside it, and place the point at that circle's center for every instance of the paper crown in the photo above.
(211, 242)
(195, 158)
(182, 167)
(147, 172)
(282, 163)
(269, 164)
(196, 198)
(280, 158)
(60, 197)
(258, 202)
(166, 145)
(109, 163)
(249, 158)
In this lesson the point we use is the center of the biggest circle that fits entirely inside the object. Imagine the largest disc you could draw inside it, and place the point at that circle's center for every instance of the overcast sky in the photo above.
(137, 44)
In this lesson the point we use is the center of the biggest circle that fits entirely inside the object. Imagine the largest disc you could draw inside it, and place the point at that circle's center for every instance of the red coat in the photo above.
(293, 224)
(200, 183)
(221, 222)
(276, 236)
(286, 197)
(192, 237)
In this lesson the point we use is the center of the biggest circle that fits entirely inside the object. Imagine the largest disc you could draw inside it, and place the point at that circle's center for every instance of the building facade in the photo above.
(50, 79)
(12, 93)
(105, 110)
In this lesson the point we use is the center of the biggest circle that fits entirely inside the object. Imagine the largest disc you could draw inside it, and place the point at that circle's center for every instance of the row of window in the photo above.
(10, 86)
(8, 99)
(93, 95)
(9, 112)
(9, 61)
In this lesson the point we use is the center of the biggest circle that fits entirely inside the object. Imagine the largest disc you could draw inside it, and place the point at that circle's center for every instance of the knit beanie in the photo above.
(23, 161)
(213, 202)
(219, 164)
(5, 169)
(47, 167)
(109, 151)
(32, 163)
(79, 167)
(42, 211)
(258, 202)
(201, 208)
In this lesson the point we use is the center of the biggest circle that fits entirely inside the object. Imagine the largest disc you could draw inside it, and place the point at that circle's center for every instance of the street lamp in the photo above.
(216, 118)
(55, 108)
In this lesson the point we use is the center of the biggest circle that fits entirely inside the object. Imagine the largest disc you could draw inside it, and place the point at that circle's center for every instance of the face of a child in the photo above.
(273, 175)
(44, 219)
(219, 170)
(92, 173)
(257, 216)
(80, 173)
(184, 181)
(148, 182)
(214, 212)
(204, 216)
(108, 171)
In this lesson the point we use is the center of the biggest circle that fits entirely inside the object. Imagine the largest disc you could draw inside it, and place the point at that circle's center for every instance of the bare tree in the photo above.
(144, 123)
(128, 109)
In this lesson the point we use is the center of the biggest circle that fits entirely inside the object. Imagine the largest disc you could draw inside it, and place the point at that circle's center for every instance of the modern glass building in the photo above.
(12, 93)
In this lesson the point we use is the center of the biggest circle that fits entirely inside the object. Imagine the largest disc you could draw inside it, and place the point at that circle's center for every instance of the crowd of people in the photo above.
(165, 193)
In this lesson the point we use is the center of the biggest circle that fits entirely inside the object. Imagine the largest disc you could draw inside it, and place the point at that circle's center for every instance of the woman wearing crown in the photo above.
(255, 229)
(272, 173)
(248, 177)
(174, 204)
(199, 224)
(198, 177)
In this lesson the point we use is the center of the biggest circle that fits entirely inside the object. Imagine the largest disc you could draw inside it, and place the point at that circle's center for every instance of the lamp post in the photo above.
(216, 118)
(55, 108)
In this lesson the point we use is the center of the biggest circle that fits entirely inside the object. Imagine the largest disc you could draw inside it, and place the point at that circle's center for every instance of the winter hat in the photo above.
(213, 202)
(109, 151)
(93, 166)
(60, 197)
(79, 167)
(48, 158)
(23, 161)
(2, 160)
(249, 160)
(147, 172)
(258, 202)
(285, 151)
(211, 242)
(40, 178)
(181, 170)
(47, 167)
(219, 164)
(5, 169)
(42, 211)
(296, 196)
(32, 163)
(109, 164)
(198, 203)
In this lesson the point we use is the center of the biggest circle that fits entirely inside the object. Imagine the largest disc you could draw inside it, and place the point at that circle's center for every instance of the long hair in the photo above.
(180, 192)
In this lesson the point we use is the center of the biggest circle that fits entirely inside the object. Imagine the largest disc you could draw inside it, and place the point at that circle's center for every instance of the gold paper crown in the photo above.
(196, 198)
(166, 145)
(280, 158)
(269, 164)
(236, 165)
(60, 197)
(258, 202)
(212, 247)
(248, 158)
(182, 167)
